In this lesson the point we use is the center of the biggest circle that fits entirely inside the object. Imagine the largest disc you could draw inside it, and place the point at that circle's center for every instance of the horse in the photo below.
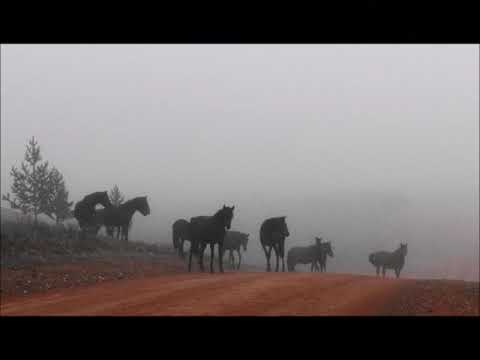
(209, 230)
(84, 210)
(180, 233)
(304, 255)
(389, 260)
(121, 216)
(325, 249)
(273, 232)
(233, 241)
(99, 222)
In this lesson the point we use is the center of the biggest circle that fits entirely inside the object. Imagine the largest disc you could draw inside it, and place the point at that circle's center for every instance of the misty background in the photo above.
(366, 145)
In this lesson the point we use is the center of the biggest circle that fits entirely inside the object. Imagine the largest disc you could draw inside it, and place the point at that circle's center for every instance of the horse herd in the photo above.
(203, 231)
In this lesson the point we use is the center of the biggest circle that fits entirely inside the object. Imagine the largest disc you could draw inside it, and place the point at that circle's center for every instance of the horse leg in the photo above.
(239, 259)
(267, 255)
(378, 270)
(201, 248)
(180, 248)
(383, 271)
(190, 258)
(397, 273)
(231, 260)
(220, 257)
(277, 256)
(212, 245)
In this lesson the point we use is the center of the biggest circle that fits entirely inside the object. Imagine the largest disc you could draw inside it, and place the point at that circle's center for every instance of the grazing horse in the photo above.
(209, 230)
(121, 216)
(325, 249)
(233, 241)
(84, 210)
(180, 233)
(272, 235)
(389, 260)
(304, 255)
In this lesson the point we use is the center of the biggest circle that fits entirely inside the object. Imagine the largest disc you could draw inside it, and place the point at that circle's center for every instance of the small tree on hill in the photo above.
(59, 206)
(31, 185)
(116, 197)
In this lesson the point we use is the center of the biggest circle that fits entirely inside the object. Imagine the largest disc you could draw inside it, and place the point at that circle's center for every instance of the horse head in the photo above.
(104, 200)
(226, 216)
(403, 249)
(143, 207)
(283, 227)
(328, 248)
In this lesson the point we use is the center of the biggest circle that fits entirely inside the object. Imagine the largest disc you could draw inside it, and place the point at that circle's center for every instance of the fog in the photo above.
(366, 145)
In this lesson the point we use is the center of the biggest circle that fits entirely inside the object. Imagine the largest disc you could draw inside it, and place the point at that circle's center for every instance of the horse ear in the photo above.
(233, 207)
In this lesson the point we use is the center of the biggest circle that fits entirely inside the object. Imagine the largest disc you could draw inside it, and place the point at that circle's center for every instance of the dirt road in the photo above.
(255, 294)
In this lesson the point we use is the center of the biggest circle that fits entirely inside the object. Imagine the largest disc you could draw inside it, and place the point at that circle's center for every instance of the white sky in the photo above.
(323, 134)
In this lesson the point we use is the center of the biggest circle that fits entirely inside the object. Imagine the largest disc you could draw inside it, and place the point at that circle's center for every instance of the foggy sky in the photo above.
(369, 145)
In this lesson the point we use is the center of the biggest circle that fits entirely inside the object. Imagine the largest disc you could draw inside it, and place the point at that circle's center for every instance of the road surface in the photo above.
(264, 294)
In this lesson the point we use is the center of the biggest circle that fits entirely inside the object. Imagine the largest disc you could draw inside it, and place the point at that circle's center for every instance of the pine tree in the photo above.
(116, 197)
(31, 185)
(59, 208)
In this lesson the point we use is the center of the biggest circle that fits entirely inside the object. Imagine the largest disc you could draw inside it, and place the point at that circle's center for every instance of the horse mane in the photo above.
(219, 213)
(92, 196)
(131, 201)
(398, 251)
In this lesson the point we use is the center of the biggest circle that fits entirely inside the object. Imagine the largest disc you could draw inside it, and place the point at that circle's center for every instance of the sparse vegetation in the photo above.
(38, 189)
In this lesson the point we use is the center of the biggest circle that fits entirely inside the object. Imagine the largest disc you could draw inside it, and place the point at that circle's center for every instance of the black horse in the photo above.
(233, 241)
(110, 230)
(389, 260)
(84, 210)
(121, 216)
(326, 249)
(272, 235)
(180, 234)
(209, 230)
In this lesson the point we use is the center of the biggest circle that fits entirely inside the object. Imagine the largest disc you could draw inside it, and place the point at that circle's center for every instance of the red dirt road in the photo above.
(263, 294)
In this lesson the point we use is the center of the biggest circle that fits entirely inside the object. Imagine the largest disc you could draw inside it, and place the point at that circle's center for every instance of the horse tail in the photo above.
(175, 238)
(371, 258)
(290, 262)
